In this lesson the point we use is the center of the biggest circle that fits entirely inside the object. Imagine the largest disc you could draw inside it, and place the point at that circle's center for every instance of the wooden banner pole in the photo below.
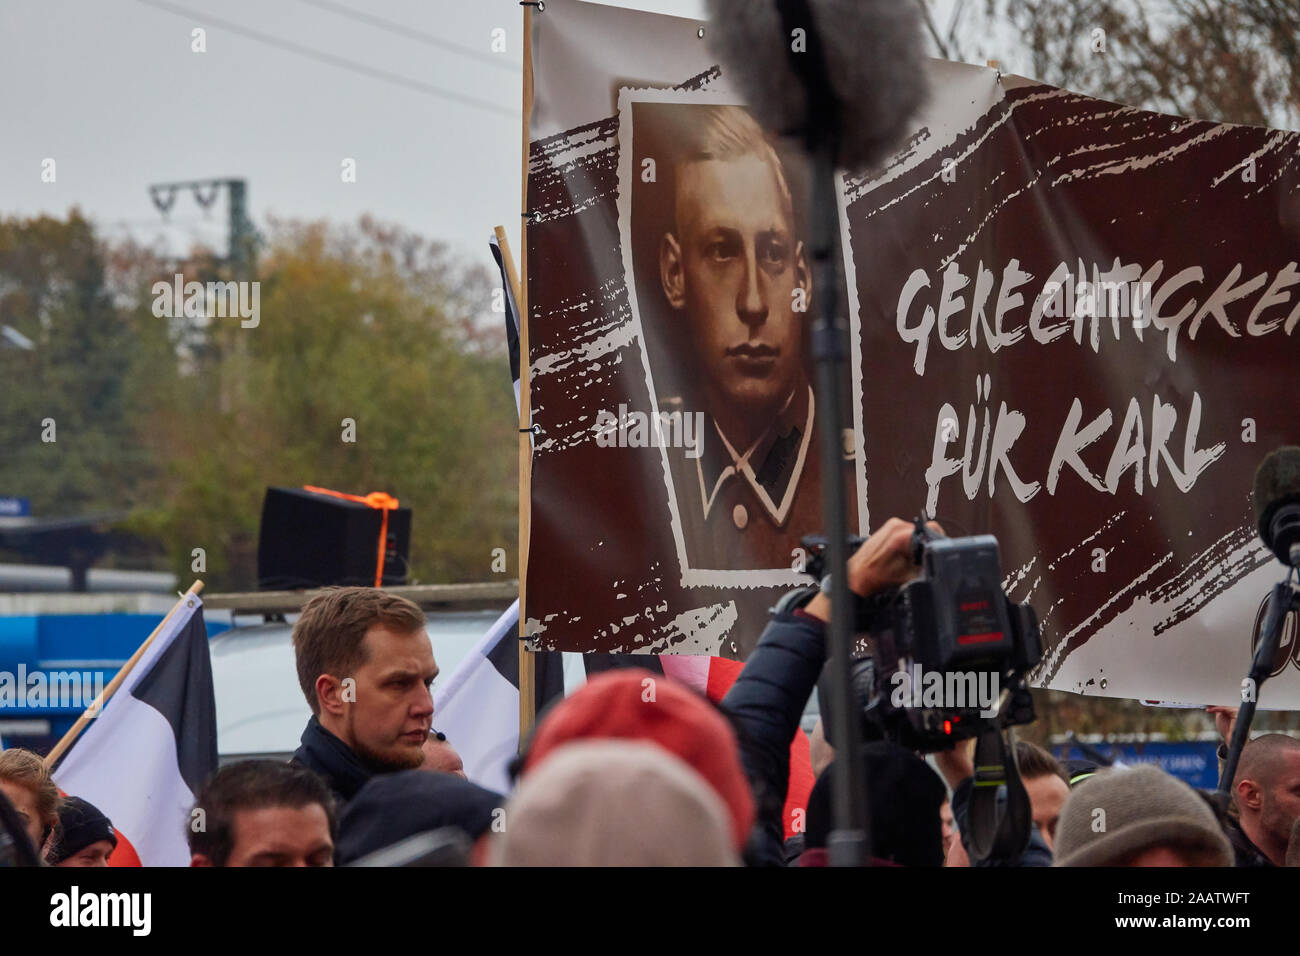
(527, 662)
(97, 705)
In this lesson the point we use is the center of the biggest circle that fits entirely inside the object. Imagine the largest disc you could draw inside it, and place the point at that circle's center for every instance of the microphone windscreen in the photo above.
(874, 61)
(1277, 481)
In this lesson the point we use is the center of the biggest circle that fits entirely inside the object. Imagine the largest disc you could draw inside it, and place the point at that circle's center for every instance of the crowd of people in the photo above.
(636, 769)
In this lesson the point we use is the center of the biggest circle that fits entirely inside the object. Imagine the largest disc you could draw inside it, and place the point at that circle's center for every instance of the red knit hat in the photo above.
(635, 704)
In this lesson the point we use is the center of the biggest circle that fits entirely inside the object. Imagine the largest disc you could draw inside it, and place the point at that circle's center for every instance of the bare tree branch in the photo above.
(934, 33)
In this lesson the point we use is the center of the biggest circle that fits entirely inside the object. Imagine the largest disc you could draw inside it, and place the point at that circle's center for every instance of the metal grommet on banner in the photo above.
(536, 430)
(539, 4)
(528, 214)
(700, 33)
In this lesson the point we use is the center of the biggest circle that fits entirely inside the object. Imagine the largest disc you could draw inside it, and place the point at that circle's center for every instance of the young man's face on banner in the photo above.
(733, 267)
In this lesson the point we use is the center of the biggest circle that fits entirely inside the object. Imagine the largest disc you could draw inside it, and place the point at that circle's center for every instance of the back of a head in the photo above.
(252, 785)
(904, 795)
(26, 769)
(1034, 762)
(614, 803)
(1117, 815)
(23, 768)
(634, 704)
(394, 806)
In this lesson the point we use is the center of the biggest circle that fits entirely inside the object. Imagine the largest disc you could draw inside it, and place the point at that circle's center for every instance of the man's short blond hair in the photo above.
(723, 133)
(327, 639)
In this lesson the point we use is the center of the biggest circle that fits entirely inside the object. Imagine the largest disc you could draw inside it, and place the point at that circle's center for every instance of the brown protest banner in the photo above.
(1072, 326)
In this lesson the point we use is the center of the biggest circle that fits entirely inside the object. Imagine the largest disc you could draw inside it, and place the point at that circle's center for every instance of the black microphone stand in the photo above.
(1283, 600)
(849, 843)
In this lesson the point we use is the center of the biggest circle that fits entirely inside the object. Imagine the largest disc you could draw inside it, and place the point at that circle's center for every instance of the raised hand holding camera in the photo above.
(948, 653)
(948, 650)
(883, 561)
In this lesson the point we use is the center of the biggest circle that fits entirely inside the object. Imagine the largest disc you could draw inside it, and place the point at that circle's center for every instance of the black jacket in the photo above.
(334, 761)
(1244, 851)
(765, 704)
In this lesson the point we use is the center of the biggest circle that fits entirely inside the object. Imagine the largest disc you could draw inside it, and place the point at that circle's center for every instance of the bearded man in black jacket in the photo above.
(365, 665)
(1266, 796)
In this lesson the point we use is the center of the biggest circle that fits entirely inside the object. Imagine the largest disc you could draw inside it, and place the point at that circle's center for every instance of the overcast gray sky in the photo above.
(112, 92)
(409, 89)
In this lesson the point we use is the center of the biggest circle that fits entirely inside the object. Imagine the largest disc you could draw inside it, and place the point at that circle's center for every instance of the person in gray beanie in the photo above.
(1138, 816)
(615, 803)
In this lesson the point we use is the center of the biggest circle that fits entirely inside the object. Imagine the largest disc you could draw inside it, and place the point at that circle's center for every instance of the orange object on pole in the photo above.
(376, 499)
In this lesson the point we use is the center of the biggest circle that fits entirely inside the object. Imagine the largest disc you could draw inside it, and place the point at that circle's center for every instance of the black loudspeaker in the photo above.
(309, 539)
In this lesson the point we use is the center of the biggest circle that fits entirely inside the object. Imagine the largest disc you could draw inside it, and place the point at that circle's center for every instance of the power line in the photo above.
(331, 59)
(158, 223)
(492, 59)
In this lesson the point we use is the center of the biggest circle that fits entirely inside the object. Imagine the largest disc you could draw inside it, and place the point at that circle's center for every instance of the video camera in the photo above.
(945, 654)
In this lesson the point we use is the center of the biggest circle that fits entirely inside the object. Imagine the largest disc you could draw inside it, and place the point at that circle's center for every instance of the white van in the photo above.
(261, 711)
